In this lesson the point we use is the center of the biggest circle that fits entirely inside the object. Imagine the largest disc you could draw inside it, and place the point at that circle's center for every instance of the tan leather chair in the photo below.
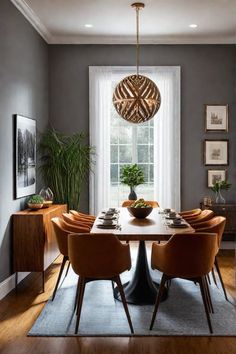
(190, 213)
(95, 257)
(62, 230)
(216, 225)
(186, 256)
(72, 220)
(204, 216)
(78, 214)
(153, 203)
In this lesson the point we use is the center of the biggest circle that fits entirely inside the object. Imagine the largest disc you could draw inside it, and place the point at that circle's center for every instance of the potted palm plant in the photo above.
(217, 187)
(65, 163)
(132, 176)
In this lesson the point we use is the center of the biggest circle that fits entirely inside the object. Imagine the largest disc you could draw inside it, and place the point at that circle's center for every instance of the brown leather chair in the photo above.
(190, 213)
(186, 256)
(62, 230)
(204, 216)
(80, 221)
(216, 225)
(78, 214)
(98, 257)
(153, 203)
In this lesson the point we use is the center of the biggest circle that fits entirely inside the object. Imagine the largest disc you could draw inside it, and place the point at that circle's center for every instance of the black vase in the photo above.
(132, 195)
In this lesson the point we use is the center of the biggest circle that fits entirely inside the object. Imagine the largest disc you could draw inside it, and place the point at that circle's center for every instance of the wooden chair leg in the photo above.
(214, 277)
(158, 299)
(208, 279)
(59, 276)
(122, 294)
(82, 283)
(201, 282)
(220, 277)
(208, 295)
(76, 295)
(67, 270)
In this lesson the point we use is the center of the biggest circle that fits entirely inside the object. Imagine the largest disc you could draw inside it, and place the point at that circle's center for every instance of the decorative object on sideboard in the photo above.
(132, 176)
(47, 195)
(25, 156)
(35, 202)
(65, 164)
(216, 118)
(216, 152)
(217, 187)
(136, 98)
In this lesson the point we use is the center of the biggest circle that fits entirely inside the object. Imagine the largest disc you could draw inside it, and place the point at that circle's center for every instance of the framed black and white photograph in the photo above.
(214, 176)
(25, 156)
(216, 152)
(216, 118)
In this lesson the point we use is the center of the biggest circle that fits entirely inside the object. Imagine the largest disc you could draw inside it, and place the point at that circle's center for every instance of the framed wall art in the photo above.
(25, 156)
(216, 118)
(214, 176)
(216, 152)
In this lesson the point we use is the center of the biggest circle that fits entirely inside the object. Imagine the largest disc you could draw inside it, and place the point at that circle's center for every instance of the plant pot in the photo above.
(132, 195)
(34, 206)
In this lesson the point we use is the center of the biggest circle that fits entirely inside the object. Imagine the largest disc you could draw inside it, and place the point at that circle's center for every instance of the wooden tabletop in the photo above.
(153, 227)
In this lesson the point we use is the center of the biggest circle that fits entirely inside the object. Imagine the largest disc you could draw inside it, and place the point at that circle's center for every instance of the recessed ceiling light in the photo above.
(88, 25)
(193, 25)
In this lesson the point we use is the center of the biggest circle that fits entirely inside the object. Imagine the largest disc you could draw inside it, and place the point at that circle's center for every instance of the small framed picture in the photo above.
(216, 118)
(25, 156)
(214, 176)
(216, 152)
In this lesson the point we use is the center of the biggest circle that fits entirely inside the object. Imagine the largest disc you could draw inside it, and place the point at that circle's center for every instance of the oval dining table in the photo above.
(141, 289)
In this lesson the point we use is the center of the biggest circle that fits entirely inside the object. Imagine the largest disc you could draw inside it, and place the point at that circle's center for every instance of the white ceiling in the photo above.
(162, 21)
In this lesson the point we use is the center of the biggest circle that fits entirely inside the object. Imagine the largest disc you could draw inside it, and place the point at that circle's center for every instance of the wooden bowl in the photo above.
(34, 206)
(140, 213)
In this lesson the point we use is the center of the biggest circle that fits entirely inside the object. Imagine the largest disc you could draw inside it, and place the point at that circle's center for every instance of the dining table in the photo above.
(141, 289)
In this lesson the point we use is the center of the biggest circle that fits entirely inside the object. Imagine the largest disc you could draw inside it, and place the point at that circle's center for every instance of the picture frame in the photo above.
(214, 176)
(216, 117)
(216, 152)
(25, 156)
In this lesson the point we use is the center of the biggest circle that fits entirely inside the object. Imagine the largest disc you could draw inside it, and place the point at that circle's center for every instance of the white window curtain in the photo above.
(166, 133)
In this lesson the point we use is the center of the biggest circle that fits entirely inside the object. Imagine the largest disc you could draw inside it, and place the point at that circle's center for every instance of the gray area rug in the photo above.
(181, 314)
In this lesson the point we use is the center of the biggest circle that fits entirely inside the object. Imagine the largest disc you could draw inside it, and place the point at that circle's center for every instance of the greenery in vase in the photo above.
(36, 199)
(218, 186)
(132, 175)
(65, 164)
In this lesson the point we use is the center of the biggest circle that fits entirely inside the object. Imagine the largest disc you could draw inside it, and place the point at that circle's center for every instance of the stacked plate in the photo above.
(108, 219)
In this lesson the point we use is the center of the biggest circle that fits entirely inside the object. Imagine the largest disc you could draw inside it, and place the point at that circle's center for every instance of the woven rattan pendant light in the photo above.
(136, 98)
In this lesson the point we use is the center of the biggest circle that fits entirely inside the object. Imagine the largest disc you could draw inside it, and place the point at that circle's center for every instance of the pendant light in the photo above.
(136, 98)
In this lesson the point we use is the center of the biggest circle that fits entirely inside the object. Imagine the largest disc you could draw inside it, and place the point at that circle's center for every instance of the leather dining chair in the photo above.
(78, 214)
(62, 230)
(128, 203)
(190, 213)
(109, 258)
(204, 216)
(80, 221)
(216, 225)
(186, 256)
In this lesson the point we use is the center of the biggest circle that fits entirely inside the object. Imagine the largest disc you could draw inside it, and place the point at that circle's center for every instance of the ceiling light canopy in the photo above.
(88, 25)
(193, 25)
(136, 98)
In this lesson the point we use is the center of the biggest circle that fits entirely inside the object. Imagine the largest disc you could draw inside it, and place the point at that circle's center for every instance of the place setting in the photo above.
(108, 219)
(174, 220)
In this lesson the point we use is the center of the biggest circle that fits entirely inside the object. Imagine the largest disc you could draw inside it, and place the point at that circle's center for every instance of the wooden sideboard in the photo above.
(228, 211)
(34, 241)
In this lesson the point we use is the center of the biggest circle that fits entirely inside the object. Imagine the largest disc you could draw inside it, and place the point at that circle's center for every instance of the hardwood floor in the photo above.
(19, 310)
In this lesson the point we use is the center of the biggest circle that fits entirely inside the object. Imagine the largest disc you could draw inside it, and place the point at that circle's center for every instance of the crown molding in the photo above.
(35, 21)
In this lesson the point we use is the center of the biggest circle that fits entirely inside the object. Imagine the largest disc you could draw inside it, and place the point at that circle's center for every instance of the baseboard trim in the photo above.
(9, 284)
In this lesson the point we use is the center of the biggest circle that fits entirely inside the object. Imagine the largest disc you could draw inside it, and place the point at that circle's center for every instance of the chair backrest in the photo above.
(216, 225)
(98, 256)
(204, 216)
(153, 203)
(62, 230)
(78, 214)
(187, 255)
(72, 220)
(190, 213)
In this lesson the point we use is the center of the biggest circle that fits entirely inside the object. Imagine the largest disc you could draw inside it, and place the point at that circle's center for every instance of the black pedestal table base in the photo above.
(141, 290)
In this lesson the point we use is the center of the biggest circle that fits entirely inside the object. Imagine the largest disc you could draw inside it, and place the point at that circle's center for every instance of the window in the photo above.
(154, 145)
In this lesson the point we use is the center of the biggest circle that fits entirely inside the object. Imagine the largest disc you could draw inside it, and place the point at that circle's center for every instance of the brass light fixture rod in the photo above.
(138, 6)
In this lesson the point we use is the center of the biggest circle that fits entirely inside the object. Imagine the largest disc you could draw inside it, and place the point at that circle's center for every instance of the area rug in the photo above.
(181, 314)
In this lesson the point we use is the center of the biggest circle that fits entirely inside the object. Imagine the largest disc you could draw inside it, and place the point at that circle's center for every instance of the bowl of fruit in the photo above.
(140, 209)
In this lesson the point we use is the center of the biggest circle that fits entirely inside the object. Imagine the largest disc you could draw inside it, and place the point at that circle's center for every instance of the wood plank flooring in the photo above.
(19, 310)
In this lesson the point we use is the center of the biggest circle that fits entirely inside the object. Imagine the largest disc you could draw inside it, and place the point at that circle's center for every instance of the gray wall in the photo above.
(23, 90)
(207, 76)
